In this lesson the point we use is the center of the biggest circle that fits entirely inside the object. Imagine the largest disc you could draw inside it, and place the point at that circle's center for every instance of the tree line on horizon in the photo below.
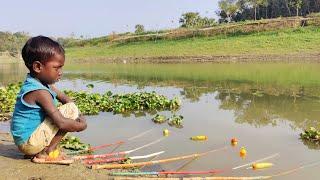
(241, 10)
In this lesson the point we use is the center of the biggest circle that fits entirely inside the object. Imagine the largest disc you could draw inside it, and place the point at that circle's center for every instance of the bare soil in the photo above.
(14, 166)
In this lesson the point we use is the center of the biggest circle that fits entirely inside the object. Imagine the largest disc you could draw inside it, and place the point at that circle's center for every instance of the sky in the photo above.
(94, 18)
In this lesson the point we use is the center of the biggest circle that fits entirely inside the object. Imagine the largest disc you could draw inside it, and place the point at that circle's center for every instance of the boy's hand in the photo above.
(83, 122)
(63, 98)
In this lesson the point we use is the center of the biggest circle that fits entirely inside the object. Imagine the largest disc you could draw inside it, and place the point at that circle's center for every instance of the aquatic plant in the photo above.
(176, 121)
(8, 97)
(311, 134)
(93, 103)
(73, 143)
(90, 86)
(159, 119)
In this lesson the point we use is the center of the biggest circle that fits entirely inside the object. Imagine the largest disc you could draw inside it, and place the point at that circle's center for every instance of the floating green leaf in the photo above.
(176, 121)
(159, 119)
(90, 86)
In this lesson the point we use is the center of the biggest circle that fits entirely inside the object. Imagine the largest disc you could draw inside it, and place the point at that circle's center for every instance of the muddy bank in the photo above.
(14, 166)
(312, 58)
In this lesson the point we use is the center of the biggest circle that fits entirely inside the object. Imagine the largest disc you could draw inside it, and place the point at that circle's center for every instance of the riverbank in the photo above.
(293, 58)
(286, 45)
(294, 44)
(14, 166)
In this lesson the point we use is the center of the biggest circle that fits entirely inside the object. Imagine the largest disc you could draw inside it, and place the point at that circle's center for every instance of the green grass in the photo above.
(6, 60)
(283, 42)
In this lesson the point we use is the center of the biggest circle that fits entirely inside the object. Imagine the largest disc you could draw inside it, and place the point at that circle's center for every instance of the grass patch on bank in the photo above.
(8, 59)
(283, 42)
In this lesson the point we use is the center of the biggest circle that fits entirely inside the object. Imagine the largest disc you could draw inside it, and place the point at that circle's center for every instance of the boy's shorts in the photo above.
(44, 134)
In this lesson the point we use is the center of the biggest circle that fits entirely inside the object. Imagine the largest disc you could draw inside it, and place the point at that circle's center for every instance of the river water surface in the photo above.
(265, 106)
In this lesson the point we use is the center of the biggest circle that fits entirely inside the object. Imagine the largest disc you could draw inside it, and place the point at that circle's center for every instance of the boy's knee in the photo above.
(69, 110)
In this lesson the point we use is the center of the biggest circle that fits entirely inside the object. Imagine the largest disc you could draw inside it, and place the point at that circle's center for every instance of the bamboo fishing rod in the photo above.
(94, 148)
(116, 153)
(190, 172)
(230, 178)
(259, 177)
(163, 173)
(297, 169)
(109, 160)
(259, 160)
(120, 166)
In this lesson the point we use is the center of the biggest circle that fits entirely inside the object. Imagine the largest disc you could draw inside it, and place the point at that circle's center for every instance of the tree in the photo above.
(194, 20)
(190, 19)
(265, 3)
(297, 4)
(139, 28)
(207, 22)
(230, 8)
(254, 9)
(256, 3)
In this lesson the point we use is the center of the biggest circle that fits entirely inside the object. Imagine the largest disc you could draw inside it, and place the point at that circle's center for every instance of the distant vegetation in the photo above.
(241, 10)
(194, 20)
(11, 43)
(139, 29)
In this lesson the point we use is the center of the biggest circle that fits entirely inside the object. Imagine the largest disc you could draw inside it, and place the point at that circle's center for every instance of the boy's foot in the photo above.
(51, 158)
(52, 161)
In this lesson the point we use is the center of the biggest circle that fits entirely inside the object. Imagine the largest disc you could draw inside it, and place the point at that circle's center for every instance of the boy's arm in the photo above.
(63, 98)
(44, 100)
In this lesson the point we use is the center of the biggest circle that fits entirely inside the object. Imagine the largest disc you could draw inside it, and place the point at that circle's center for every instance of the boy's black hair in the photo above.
(40, 48)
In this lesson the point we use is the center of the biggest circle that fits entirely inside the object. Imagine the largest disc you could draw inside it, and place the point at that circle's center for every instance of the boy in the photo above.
(34, 134)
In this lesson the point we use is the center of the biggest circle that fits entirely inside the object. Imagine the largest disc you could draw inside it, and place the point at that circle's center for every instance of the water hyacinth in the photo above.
(159, 119)
(73, 143)
(8, 97)
(93, 103)
(311, 134)
(176, 121)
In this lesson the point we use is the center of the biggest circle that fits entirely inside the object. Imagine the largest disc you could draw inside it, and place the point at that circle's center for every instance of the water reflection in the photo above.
(254, 104)
(12, 72)
(260, 111)
(311, 145)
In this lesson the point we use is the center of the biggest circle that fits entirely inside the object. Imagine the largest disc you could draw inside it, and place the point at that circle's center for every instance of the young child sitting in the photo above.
(37, 124)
